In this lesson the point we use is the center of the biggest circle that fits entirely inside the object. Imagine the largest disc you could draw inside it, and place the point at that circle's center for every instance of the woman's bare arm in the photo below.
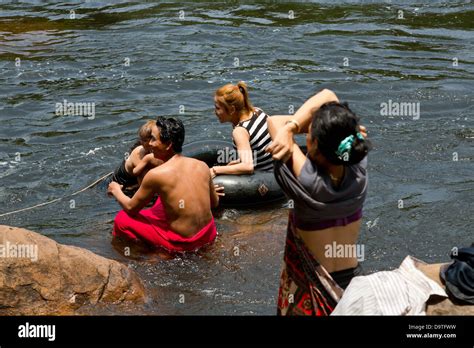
(282, 146)
(246, 163)
(304, 114)
(297, 158)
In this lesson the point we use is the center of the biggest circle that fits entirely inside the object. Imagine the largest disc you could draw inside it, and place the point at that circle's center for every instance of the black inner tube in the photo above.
(259, 188)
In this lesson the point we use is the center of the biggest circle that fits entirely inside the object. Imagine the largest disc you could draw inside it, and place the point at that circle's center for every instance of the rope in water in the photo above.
(60, 198)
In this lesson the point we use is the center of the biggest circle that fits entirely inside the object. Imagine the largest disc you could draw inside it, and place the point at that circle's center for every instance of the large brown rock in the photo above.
(62, 278)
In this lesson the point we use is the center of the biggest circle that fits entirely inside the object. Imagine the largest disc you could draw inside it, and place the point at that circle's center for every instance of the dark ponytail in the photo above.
(336, 128)
(360, 149)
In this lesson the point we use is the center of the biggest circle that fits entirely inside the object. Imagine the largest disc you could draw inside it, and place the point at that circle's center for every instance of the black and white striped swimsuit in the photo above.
(259, 139)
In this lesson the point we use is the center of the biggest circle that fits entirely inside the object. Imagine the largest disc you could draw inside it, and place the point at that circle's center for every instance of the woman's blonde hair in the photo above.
(236, 96)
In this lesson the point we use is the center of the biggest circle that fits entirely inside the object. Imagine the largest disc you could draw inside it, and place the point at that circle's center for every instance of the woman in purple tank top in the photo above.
(327, 188)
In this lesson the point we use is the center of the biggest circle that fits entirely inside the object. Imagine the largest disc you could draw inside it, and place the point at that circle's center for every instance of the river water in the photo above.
(139, 60)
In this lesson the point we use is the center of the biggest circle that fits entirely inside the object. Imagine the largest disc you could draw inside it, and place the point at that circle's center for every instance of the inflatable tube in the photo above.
(240, 190)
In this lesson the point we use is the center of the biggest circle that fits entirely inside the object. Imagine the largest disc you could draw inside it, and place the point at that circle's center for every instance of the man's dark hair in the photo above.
(171, 131)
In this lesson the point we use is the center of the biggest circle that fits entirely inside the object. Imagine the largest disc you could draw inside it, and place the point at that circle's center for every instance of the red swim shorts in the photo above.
(151, 227)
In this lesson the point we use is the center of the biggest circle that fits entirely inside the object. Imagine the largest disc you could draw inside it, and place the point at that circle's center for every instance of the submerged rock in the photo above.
(41, 277)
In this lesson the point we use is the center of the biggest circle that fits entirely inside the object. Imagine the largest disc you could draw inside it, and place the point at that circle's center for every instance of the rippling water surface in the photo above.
(178, 54)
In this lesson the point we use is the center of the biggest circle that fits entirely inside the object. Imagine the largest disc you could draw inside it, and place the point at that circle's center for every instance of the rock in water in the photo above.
(41, 277)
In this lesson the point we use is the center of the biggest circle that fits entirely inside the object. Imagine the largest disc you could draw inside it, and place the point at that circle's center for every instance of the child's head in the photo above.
(144, 134)
(231, 101)
(335, 134)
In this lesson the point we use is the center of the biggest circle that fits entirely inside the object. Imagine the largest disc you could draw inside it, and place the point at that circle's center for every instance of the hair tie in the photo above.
(344, 148)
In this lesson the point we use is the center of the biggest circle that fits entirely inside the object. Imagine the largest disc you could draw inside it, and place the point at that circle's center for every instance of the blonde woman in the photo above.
(250, 133)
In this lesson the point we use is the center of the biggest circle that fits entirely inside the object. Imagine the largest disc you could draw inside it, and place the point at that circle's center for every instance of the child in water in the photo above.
(132, 170)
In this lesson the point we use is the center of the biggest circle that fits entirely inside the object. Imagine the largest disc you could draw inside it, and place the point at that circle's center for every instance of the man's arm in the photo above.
(140, 199)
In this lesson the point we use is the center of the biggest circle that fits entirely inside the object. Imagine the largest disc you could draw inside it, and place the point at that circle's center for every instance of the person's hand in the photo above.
(363, 131)
(219, 190)
(281, 147)
(113, 186)
(213, 172)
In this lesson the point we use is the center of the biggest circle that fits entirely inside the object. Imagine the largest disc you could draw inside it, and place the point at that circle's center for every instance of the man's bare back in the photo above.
(185, 187)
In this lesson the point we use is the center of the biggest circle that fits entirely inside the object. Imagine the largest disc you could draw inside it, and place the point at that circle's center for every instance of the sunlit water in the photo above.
(373, 53)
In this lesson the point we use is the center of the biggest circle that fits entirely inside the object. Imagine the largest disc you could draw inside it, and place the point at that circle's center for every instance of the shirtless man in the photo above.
(181, 219)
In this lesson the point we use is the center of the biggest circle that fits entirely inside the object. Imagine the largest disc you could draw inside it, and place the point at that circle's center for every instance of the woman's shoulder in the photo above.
(362, 165)
(259, 111)
(240, 133)
(309, 174)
